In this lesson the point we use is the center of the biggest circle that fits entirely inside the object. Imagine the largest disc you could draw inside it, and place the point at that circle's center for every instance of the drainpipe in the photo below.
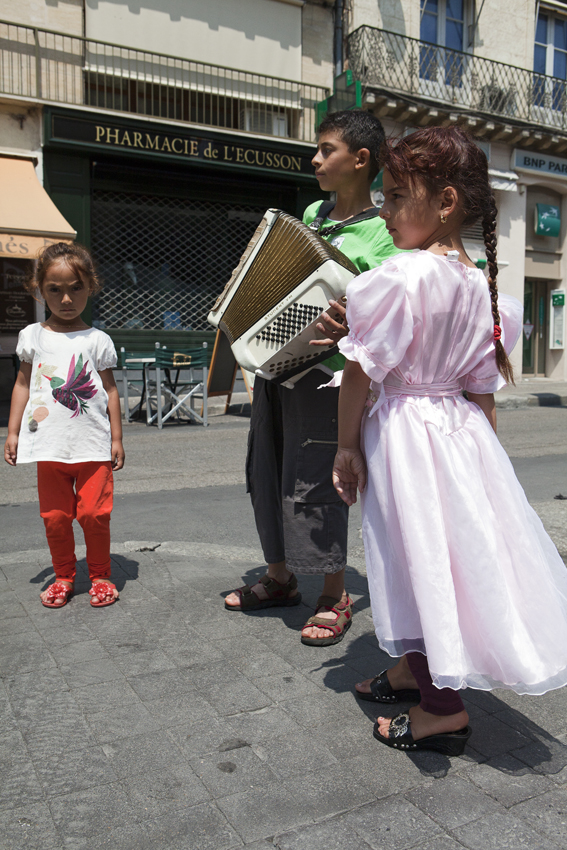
(338, 37)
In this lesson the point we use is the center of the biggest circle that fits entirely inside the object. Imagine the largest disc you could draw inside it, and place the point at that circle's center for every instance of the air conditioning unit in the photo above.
(493, 98)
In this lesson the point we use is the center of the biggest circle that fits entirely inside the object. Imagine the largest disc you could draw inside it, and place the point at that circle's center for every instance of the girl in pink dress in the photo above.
(466, 587)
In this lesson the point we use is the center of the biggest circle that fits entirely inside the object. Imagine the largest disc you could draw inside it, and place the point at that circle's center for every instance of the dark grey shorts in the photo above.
(291, 448)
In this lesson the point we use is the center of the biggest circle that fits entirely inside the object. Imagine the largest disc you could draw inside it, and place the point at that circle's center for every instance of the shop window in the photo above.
(164, 260)
(550, 61)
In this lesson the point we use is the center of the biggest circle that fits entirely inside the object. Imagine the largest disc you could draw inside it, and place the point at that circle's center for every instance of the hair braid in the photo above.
(489, 232)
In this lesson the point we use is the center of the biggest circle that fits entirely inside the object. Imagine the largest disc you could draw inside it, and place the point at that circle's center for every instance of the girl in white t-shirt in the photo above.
(65, 415)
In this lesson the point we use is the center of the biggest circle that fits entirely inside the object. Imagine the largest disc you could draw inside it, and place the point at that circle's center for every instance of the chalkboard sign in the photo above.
(222, 372)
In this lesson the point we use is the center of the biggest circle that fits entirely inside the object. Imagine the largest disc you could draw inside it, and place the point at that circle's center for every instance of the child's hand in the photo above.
(11, 449)
(349, 472)
(117, 455)
(335, 327)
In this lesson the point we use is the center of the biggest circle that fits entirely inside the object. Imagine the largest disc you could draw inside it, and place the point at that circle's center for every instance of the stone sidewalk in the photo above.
(165, 722)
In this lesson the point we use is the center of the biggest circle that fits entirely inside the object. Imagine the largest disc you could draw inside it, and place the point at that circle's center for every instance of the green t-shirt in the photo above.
(367, 243)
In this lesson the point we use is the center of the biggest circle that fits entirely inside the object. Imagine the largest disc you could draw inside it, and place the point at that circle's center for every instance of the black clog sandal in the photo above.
(400, 738)
(382, 691)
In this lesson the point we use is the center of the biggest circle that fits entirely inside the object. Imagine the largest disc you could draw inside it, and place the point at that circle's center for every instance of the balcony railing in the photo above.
(52, 67)
(406, 66)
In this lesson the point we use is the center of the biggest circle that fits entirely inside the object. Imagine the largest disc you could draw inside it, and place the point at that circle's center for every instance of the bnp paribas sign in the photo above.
(541, 163)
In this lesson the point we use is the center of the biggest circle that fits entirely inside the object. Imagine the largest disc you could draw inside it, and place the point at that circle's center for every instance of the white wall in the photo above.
(263, 36)
(62, 15)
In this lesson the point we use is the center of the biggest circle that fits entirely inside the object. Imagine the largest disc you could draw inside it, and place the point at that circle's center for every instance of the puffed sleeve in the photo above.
(24, 348)
(106, 353)
(380, 320)
(485, 377)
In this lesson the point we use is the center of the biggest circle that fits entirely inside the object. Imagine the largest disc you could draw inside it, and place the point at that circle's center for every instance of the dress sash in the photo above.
(401, 389)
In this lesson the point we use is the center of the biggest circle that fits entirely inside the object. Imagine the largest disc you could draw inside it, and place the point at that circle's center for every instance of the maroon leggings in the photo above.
(440, 701)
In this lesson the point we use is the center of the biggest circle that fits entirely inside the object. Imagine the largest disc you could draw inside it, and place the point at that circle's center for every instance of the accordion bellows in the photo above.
(271, 305)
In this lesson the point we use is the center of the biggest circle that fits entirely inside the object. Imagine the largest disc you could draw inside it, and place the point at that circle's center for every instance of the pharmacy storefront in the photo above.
(545, 181)
(167, 210)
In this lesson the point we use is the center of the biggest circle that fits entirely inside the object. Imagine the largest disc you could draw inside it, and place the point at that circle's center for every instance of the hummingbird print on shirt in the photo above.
(76, 390)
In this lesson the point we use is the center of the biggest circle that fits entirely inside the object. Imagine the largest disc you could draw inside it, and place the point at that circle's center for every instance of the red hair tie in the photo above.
(497, 332)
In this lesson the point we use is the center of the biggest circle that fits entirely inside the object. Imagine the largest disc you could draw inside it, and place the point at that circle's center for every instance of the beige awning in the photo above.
(28, 217)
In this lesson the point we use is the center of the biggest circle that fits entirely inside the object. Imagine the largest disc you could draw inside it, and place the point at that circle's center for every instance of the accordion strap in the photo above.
(325, 209)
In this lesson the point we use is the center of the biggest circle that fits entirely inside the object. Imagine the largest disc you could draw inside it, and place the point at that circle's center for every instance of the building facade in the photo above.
(501, 72)
(161, 132)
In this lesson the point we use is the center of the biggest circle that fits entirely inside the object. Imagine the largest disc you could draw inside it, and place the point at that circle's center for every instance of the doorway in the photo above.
(535, 327)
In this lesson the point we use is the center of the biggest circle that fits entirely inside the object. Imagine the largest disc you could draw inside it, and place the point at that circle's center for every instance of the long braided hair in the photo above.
(448, 156)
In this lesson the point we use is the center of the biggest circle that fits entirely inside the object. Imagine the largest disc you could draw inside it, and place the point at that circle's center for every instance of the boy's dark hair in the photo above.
(358, 129)
(76, 256)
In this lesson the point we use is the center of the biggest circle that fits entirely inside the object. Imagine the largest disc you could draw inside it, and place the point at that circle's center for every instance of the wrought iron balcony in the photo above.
(52, 67)
(398, 65)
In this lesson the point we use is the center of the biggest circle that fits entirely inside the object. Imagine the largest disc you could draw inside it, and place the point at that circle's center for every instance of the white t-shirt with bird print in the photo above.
(66, 417)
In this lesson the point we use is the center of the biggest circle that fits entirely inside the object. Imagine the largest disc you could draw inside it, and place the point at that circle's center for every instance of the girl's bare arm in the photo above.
(115, 417)
(486, 404)
(20, 396)
(349, 470)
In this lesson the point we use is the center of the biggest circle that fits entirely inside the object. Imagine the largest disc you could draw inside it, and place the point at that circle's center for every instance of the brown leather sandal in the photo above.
(343, 611)
(278, 595)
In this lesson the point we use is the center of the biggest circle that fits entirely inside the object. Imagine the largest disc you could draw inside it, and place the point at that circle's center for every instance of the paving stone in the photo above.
(392, 824)
(150, 686)
(546, 814)
(492, 737)
(235, 697)
(261, 664)
(502, 831)
(91, 811)
(231, 771)
(322, 796)
(201, 827)
(56, 636)
(141, 753)
(440, 843)
(202, 737)
(130, 836)
(256, 726)
(486, 700)
(93, 672)
(53, 739)
(286, 686)
(119, 721)
(508, 780)
(73, 770)
(158, 792)
(116, 692)
(187, 650)
(30, 709)
(311, 710)
(29, 827)
(332, 835)
(547, 756)
(452, 802)
(143, 661)
(18, 779)
(77, 652)
(174, 710)
(14, 625)
(241, 811)
(22, 652)
(292, 756)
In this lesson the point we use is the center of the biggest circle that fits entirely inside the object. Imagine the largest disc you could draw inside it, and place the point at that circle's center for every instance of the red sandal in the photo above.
(102, 588)
(57, 590)
(338, 627)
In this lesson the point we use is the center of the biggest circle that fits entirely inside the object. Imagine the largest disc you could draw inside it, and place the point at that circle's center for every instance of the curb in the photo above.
(513, 402)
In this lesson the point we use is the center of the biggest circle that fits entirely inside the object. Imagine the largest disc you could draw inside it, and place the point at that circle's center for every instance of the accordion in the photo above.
(276, 295)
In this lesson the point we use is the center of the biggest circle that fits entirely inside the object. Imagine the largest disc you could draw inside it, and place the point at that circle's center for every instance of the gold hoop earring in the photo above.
(443, 218)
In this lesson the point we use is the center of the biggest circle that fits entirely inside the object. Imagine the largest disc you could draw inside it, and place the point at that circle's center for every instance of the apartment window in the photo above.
(550, 60)
(442, 26)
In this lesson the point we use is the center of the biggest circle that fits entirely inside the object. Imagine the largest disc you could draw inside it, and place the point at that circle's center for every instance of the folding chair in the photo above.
(181, 378)
(135, 361)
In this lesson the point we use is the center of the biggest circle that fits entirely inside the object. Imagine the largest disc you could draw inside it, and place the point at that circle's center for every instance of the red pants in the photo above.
(440, 701)
(81, 491)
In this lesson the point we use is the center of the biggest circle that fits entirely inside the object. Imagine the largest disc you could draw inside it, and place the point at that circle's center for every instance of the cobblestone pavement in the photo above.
(165, 722)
